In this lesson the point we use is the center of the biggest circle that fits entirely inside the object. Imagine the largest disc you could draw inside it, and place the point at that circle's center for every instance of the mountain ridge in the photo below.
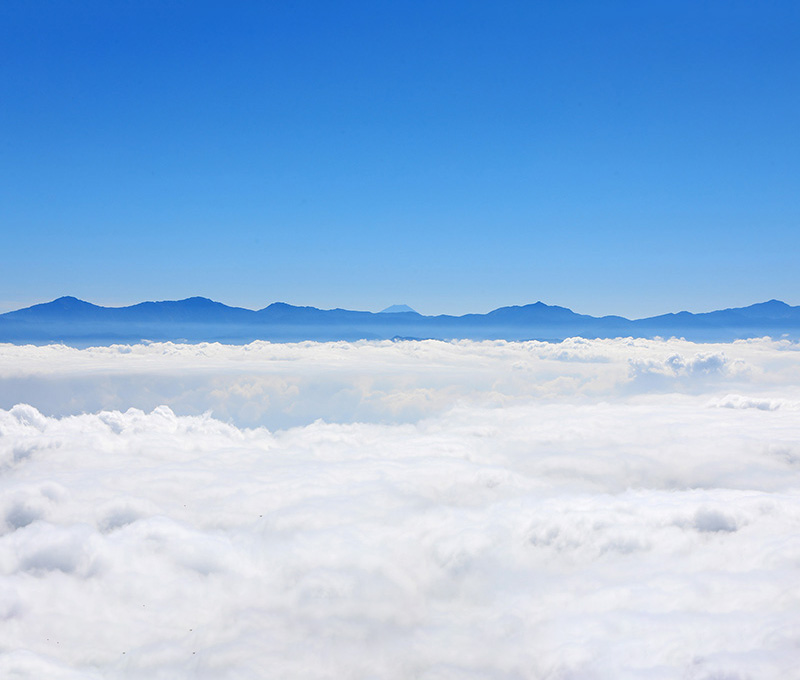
(74, 321)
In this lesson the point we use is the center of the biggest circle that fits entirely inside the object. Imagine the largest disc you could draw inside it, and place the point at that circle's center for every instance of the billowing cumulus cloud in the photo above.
(590, 509)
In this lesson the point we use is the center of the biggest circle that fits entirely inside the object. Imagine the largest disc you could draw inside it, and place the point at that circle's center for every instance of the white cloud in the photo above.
(765, 404)
(501, 511)
(280, 385)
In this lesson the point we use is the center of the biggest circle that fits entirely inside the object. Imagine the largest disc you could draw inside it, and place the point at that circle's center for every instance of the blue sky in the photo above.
(614, 157)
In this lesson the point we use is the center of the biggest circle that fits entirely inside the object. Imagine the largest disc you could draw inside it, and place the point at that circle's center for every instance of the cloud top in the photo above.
(282, 385)
(592, 509)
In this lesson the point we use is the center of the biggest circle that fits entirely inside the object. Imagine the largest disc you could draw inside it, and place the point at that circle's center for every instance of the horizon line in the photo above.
(331, 309)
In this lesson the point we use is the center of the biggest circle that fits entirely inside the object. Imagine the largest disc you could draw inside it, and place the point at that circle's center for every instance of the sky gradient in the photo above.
(454, 156)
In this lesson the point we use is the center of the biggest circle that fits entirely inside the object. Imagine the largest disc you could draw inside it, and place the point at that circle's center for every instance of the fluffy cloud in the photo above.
(281, 385)
(591, 509)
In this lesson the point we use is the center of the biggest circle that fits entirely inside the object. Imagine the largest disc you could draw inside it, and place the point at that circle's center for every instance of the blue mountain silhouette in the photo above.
(195, 319)
(398, 309)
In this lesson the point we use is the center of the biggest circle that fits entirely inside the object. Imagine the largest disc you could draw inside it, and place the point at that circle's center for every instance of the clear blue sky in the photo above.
(613, 157)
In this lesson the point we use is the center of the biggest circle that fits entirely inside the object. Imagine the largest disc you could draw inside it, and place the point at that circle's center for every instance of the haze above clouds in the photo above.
(589, 509)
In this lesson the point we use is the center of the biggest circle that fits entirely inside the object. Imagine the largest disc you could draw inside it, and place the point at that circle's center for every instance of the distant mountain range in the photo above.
(75, 322)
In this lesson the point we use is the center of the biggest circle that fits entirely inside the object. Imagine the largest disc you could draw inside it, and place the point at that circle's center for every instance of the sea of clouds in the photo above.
(592, 509)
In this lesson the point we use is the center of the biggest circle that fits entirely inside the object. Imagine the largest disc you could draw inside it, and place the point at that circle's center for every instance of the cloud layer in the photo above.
(592, 509)
(281, 385)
